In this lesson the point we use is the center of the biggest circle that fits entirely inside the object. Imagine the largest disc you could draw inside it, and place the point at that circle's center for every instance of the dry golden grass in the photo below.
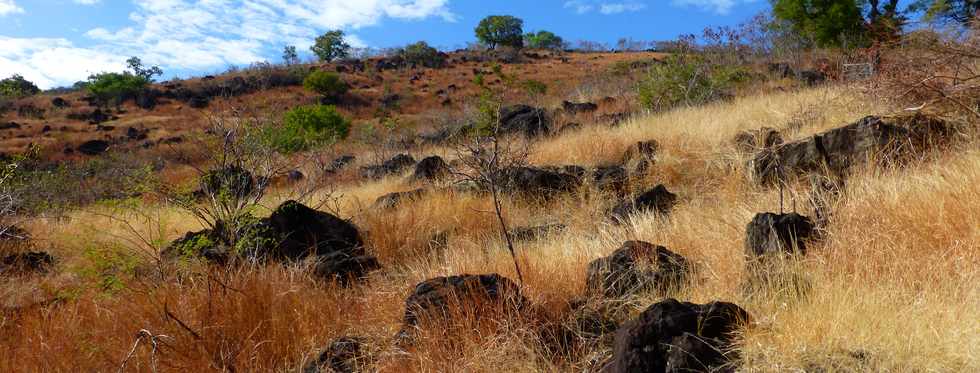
(894, 287)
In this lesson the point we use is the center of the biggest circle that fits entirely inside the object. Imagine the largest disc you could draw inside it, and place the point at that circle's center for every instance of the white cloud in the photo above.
(615, 8)
(87, 2)
(53, 62)
(9, 7)
(718, 6)
(607, 8)
(206, 34)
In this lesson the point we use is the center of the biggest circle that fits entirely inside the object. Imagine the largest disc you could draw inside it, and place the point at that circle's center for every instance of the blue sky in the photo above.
(58, 42)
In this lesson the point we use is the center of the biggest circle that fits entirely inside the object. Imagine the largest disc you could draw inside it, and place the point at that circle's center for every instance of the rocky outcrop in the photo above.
(526, 120)
(837, 151)
(771, 233)
(537, 182)
(343, 355)
(673, 336)
(752, 141)
(658, 200)
(637, 267)
(396, 164)
(93, 147)
(431, 168)
(392, 200)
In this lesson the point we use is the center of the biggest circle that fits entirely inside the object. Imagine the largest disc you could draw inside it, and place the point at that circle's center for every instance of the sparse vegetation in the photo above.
(422, 54)
(688, 80)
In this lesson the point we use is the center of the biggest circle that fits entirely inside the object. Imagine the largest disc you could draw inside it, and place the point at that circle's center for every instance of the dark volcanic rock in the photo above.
(391, 200)
(431, 168)
(305, 231)
(344, 267)
(672, 336)
(525, 120)
(812, 77)
(93, 147)
(26, 263)
(637, 267)
(59, 102)
(537, 182)
(770, 233)
(343, 355)
(576, 108)
(394, 165)
(643, 150)
(435, 298)
(340, 162)
(838, 150)
(611, 178)
(658, 199)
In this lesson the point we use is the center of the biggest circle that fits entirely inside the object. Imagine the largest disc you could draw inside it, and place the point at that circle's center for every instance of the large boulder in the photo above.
(836, 151)
(437, 298)
(611, 178)
(394, 165)
(93, 147)
(304, 231)
(658, 200)
(525, 120)
(343, 355)
(673, 336)
(769, 233)
(537, 182)
(576, 108)
(431, 168)
(637, 267)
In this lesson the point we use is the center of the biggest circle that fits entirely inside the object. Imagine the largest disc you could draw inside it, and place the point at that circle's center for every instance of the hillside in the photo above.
(393, 260)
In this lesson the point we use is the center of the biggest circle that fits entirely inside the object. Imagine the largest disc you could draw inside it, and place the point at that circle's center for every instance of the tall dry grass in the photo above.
(894, 287)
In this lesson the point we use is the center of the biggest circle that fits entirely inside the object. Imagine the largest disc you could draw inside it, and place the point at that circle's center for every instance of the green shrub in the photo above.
(115, 87)
(327, 84)
(422, 54)
(688, 80)
(305, 127)
(16, 86)
(543, 40)
(535, 88)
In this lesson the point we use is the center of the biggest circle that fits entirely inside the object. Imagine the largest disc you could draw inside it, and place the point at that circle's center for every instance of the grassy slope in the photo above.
(895, 287)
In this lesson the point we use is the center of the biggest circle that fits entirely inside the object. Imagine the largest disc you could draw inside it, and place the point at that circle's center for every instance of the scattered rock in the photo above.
(431, 168)
(576, 108)
(343, 355)
(60, 103)
(771, 233)
(343, 267)
(26, 263)
(658, 199)
(392, 166)
(672, 336)
(304, 231)
(754, 140)
(340, 163)
(137, 134)
(611, 178)
(10, 126)
(147, 99)
(526, 120)
(198, 102)
(537, 182)
(637, 267)
(93, 147)
(434, 298)
(837, 150)
(392, 200)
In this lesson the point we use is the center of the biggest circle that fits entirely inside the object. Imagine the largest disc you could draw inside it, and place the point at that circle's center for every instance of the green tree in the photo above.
(543, 40)
(306, 127)
(115, 87)
(327, 84)
(422, 54)
(827, 22)
(501, 30)
(16, 86)
(137, 68)
(289, 55)
(331, 46)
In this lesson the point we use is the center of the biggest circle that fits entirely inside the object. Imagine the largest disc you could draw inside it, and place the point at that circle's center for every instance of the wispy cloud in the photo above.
(87, 2)
(9, 7)
(722, 7)
(204, 34)
(604, 7)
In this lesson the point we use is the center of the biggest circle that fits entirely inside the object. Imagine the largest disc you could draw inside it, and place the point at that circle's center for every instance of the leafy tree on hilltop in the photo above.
(289, 55)
(137, 68)
(423, 54)
(543, 40)
(838, 23)
(17, 86)
(331, 46)
(959, 11)
(501, 30)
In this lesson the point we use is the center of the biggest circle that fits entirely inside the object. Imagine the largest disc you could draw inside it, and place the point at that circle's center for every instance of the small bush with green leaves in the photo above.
(306, 127)
(16, 86)
(423, 55)
(115, 87)
(688, 80)
(327, 84)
